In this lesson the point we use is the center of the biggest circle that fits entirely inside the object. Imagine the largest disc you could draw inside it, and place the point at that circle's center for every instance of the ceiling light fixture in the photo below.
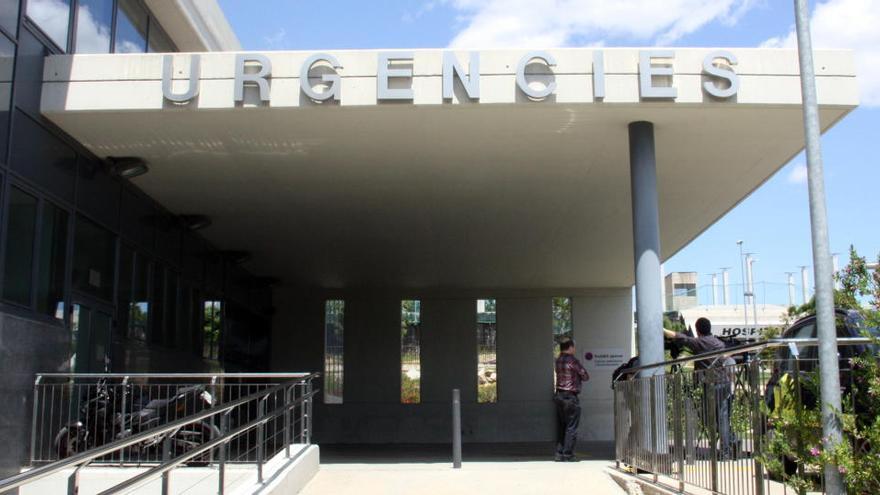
(195, 222)
(237, 256)
(128, 167)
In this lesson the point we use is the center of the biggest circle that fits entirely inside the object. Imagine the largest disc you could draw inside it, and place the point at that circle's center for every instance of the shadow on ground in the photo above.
(434, 453)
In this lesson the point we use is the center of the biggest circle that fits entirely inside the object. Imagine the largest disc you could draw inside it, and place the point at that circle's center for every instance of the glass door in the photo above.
(91, 326)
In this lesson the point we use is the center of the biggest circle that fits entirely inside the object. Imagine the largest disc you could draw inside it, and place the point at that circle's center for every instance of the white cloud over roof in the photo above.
(853, 24)
(549, 23)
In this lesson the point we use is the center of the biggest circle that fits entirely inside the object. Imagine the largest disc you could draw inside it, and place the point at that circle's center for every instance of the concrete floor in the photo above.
(477, 478)
(509, 469)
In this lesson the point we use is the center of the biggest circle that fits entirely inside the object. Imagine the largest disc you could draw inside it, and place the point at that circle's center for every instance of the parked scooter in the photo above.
(101, 421)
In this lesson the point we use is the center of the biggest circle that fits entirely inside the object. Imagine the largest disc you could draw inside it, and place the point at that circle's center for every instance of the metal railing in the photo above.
(164, 420)
(704, 422)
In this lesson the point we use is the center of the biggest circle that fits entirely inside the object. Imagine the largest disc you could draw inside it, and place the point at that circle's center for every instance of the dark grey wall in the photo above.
(26, 347)
(372, 412)
(52, 167)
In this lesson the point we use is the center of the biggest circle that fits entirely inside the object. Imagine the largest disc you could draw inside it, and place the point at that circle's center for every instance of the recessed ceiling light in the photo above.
(195, 222)
(127, 166)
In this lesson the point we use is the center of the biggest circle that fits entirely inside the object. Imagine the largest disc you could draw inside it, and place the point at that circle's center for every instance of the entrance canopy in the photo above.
(399, 187)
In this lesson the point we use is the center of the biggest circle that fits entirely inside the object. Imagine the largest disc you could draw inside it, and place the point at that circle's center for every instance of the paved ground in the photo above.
(477, 478)
(509, 469)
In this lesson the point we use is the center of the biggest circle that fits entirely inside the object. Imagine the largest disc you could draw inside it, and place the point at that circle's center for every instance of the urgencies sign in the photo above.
(654, 65)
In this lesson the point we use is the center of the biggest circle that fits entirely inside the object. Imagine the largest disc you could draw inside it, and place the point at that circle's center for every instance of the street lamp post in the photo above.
(790, 288)
(750, 261)
(725, 285)
(829, 382)
(742, 269)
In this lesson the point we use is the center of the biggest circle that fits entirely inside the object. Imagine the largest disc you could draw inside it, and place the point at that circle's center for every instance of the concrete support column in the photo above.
(646, 241)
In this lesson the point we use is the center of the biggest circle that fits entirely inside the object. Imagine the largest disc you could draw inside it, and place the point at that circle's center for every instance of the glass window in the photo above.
(20, 231)
(487, 369)
(334, 318)
(131, 27)
(9, 16)
(51, 261)
(139, 316)
(94, 259)
(41, 156)
(211, 327)
(186, 329)
(171, 339)
(562, 327)
(159, 41)
(7, 61)
(684, 290)
(158, 284)
(410, 352)
(53, 17)
(93, 24)
(123, 290)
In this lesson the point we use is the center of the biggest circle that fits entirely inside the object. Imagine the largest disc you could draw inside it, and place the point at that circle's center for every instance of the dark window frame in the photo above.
(14, 36)
(30, 310)
(70, 48)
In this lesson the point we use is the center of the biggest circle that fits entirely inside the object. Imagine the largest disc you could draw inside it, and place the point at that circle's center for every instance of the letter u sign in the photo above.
(168, 79)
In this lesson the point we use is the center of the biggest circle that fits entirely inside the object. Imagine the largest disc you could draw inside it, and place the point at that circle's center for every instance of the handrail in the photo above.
(179, 375)
(97, 452)
(729, 351)
(166, 466)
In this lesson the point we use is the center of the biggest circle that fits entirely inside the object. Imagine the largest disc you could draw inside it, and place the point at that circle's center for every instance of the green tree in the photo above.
(857, 457)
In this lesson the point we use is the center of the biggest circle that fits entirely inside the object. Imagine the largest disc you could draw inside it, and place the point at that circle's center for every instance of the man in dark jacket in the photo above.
(715, 374)
(569, 376)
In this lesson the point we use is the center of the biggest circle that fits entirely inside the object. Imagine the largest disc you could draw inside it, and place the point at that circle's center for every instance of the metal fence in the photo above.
(283, 416)
(710, 422)
(73, 413)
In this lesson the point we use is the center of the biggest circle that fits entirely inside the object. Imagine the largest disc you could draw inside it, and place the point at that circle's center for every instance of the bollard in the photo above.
(456, 429)
(166, 456)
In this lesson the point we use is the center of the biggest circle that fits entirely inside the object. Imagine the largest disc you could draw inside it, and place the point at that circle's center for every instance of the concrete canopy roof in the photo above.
(195, 25)
(504, 193)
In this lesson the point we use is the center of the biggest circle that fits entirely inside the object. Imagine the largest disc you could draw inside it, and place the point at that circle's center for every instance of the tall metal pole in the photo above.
(790, 288)
(750, 261)
(829, 382)
(805, 285)
(742, 269)
(714, 289)
(725, 283)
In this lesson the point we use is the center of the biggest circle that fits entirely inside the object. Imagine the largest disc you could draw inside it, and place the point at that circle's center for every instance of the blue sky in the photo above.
(773, 221)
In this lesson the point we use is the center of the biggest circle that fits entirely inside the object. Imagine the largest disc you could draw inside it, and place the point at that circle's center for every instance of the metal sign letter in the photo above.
(537, 94)
(259, 78)
(732, 78)
(384, 73)
(168, 79)
(333, 80)
(648, 71)
(451, 68)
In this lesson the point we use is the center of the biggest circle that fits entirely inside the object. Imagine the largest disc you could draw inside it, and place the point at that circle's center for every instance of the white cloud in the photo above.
(92, 35)
(277, 39)
(797, 174)
(549, 23)
(409, 17)
(853, 24)
(53, 17)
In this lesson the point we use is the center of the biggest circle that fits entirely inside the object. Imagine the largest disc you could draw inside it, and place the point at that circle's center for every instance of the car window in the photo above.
(807, 354)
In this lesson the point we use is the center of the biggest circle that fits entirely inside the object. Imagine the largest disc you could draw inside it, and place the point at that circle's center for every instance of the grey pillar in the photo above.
(646, 241)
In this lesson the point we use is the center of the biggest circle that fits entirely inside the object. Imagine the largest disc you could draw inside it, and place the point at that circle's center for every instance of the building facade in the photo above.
(97, 275)
(405, 222)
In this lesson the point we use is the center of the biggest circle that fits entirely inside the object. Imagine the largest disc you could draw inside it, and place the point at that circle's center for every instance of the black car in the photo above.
(849, 325)
(781, 392)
